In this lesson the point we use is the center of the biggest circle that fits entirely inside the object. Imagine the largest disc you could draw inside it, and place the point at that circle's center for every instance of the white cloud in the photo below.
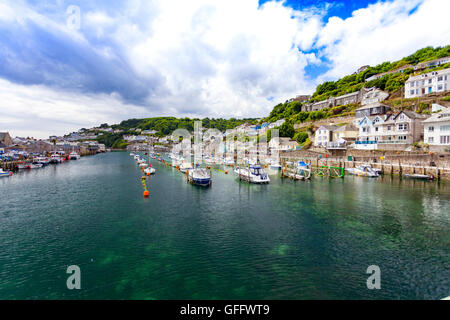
(39, 111)
(384, 31)
(210, 58)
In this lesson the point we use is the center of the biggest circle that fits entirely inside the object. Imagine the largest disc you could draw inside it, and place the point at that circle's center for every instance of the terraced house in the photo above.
(423, 84)
(390, 132)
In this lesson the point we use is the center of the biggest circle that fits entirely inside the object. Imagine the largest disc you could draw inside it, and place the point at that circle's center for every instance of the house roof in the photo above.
(2, 145)
(372, 105)
(438, 117)
(347, 127)
(329, 127)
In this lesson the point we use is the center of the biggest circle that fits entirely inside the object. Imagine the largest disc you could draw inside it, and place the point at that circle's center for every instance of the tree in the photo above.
(301, 137)
(287, 129)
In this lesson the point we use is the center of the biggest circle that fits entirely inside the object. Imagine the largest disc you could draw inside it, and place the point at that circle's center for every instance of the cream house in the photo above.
(324, 135)
(437, 130)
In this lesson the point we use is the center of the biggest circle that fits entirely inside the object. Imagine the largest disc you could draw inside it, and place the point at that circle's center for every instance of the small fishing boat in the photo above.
(301, 171)
(418, 176)
(364, 171)
(200, 177)
(150, 170)
(252, 174)
(4, 174)
(74, 156)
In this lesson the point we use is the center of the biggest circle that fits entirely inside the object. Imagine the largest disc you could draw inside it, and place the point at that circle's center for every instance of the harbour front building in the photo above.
(390, 132)
(426, 83)
(437, 131)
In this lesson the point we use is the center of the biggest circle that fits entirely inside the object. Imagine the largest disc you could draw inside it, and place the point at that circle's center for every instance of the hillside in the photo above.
(164, 126)
(391, 83)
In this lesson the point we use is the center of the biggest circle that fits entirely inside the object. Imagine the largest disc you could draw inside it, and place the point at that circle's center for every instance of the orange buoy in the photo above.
(226, 171)
(143, 177)
(231, 165)
(146, 194)
(148, 173)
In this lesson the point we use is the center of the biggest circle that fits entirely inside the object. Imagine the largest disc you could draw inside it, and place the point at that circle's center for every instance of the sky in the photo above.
(66, 65)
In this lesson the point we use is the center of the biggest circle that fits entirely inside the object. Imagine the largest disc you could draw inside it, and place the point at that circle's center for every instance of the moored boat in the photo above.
(185, 166)
(252, 174)
(4, 174)
(74, 156)
(301, 171)
(364, 171)
(200, 177)
(418, 176)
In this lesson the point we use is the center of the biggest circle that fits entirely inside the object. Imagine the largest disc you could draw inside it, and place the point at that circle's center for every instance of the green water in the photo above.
(285, 240)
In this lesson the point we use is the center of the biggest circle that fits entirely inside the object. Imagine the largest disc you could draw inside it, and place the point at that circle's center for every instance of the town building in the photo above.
(390, 132)
(426, 83)
(372, 109)
(282, 144)
(324, 135)
(437, 130)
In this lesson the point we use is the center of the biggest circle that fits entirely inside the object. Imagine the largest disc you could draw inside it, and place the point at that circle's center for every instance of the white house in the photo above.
(323, 135)
(437, 130)
(434, 81)
(392, 131)
(283, 144)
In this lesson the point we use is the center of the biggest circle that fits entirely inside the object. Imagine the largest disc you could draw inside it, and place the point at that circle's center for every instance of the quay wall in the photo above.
(437, 165)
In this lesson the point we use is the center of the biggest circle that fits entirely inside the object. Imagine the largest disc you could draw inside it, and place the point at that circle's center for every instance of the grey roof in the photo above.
(372, 105)
(347, 127)
(329, 127)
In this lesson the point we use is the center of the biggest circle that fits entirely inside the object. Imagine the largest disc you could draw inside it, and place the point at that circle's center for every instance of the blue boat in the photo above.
(200, 177)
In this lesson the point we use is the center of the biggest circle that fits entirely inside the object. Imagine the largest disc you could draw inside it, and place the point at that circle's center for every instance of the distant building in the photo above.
(364, 95)
(361, 69)
(434, 81)
(432, 63)
(5, 138)
(397, 70)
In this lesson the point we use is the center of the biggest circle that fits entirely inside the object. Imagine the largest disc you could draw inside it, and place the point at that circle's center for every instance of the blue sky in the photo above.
(71, 64)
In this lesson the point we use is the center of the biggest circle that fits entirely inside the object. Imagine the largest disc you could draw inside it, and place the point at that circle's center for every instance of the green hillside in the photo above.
(351, 83)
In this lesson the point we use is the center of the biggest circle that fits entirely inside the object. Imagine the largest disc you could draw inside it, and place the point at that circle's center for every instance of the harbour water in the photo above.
(284, 240)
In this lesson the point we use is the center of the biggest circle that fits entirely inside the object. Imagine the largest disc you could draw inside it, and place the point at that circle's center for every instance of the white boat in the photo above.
(132, 154)
(228, 161)
(364, 171)
(275, 165)
(4, 174)
(43, 160)
(185, 166)
(301, 171)
(252, 174)
(55, 158)
(29, 165)
(176, 162)
(74, 156)
(150, 170)
(200, 177)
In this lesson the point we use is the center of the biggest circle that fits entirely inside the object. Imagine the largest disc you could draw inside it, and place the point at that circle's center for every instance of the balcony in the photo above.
(366, 142)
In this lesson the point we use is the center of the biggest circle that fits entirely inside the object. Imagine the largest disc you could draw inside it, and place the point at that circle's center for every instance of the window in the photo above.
(376, 129)
(445, 139)
(429, 89)
(389, 128)
(439, 87)
(430, 80)
(403, 126)
(423, 82)
(430, 139)
(411, 84)
(445, 128)
(411, 92)
(417, 91)
(440, 78)
(402, 138)
(430, 129)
